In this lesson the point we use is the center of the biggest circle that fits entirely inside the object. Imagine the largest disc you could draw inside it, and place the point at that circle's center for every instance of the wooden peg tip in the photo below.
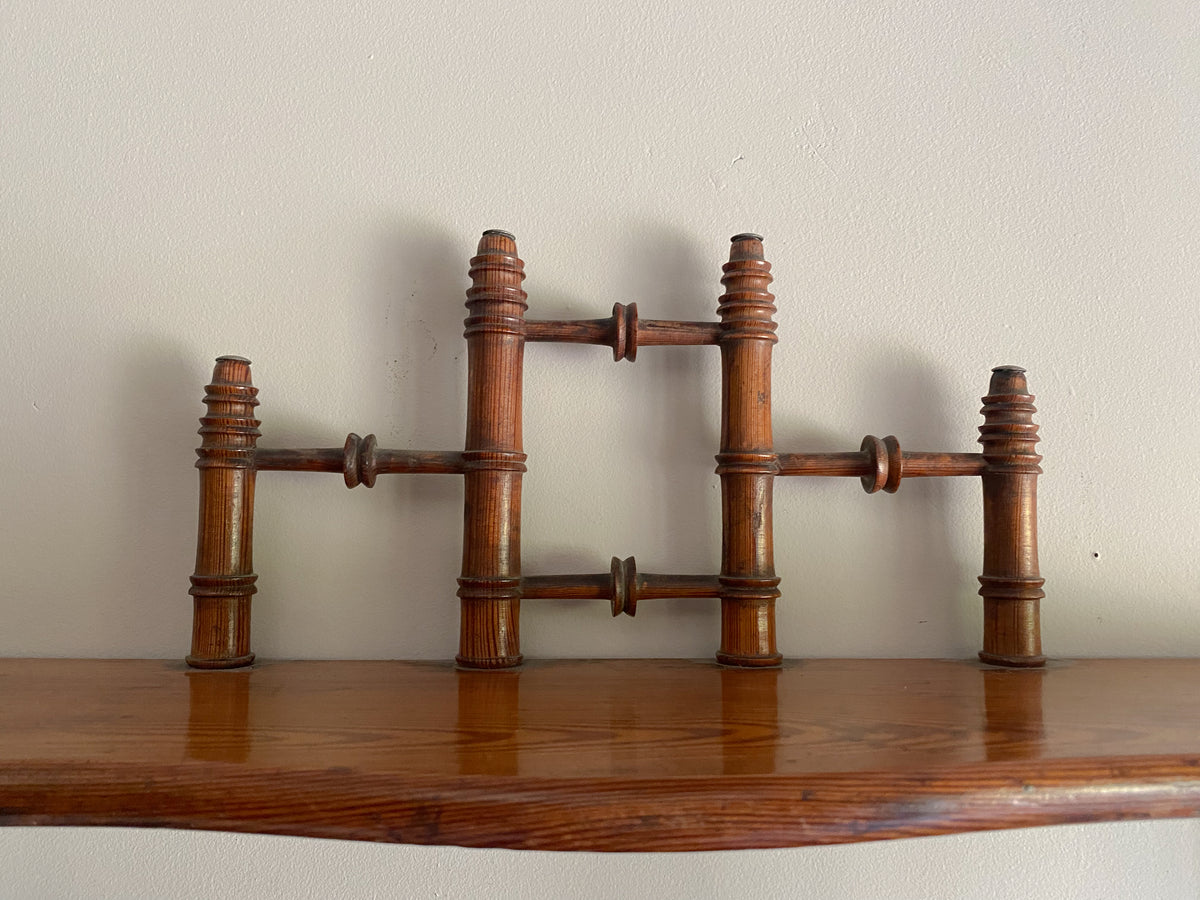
(746, 246)
(1008, 380)
(231, 370)
(494, 240)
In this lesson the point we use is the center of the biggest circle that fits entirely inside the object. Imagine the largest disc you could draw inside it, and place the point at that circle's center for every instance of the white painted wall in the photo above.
(943, 187)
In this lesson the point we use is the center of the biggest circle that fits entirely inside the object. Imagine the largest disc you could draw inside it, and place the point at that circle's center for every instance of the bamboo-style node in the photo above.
(490, 617)
(492, 463)
(1011, 585)
(746, 462)
(224, 579)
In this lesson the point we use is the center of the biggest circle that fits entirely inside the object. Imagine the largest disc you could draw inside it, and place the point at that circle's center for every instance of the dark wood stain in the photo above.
(599, 754)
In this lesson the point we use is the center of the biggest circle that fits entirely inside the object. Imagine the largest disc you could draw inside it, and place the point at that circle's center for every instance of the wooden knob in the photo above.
(624, 586)
(495, 299)
(360, 463)
(624, 332)
(747, 305)
(887, 464)
(1008, 433)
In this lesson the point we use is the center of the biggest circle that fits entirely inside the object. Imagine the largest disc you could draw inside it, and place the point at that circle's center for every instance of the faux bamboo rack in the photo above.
(491, 585)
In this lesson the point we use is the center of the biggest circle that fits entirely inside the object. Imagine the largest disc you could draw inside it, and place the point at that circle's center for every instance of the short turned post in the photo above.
(490, 585)
(1011, 584)
(747, 461)
(224, 579)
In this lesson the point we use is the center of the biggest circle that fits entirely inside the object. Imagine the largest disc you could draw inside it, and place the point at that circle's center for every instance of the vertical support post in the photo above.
(490, 585)
(224, 579)
(1011, 583)
(747, 462)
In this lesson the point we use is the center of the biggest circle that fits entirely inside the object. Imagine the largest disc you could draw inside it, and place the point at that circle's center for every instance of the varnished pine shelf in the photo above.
(598, 754)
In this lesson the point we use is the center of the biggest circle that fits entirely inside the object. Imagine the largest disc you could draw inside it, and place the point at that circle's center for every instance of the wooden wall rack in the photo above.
(603, 754)
(492, 586)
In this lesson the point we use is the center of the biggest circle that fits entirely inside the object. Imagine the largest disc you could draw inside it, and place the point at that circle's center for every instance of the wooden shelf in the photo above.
(598, 754)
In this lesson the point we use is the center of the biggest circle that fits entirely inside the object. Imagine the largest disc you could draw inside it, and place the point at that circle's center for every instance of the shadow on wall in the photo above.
(338, 570)
(372, 586)
(936, 584)
(159, 404)
(674, 434)
(649, 489)
(156, 413)
(389, 594)
(912, 541)
(419, 285)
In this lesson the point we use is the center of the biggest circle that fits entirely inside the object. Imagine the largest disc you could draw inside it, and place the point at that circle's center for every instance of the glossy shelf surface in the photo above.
(598, 754)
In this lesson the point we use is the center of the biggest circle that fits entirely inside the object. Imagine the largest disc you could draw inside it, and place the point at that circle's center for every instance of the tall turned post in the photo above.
(747, 461)
(490, 586)
(1011, 584)
(224, 579)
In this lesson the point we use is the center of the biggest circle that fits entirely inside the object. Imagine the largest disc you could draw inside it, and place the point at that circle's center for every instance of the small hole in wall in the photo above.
(1095, 556)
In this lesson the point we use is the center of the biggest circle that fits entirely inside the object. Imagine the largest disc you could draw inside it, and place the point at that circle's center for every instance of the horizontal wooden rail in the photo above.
(623, 586)
(938, 465)
(664, 333)
(360, 461)
(847, 464)
(580, 331)
(663, 587)
(328, 459)
(881, 464)
(567, 587)
(917, 464)
(623, 332)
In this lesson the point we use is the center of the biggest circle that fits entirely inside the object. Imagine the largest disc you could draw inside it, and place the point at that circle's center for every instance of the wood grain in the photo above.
(746, 462)
(360, 461)
(860, 464)
(599, 754)
(1011, 583)
(224, 579)
(493, 460)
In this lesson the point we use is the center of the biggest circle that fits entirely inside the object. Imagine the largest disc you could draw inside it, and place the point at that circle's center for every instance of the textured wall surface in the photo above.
(943, 187)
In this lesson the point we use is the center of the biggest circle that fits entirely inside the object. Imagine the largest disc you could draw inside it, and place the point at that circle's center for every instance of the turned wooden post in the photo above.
(747, 461)
(1011, 584)
(224, 579)
(490, 586)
